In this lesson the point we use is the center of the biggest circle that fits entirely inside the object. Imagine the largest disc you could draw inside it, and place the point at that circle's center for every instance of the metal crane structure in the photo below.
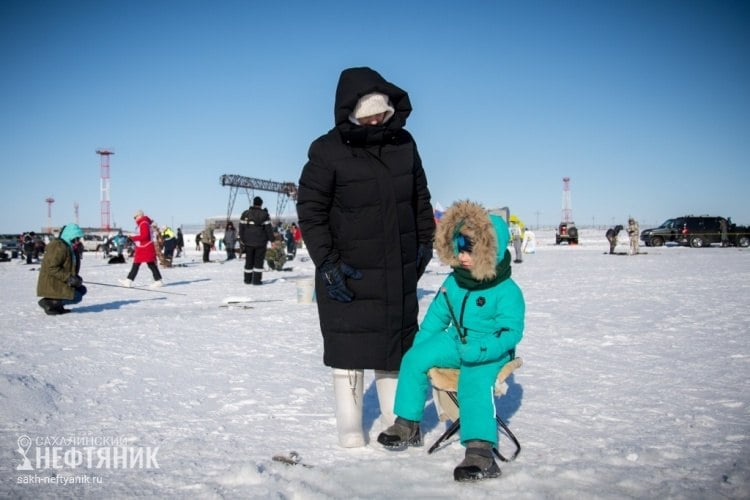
(567, 211)
(285, 190)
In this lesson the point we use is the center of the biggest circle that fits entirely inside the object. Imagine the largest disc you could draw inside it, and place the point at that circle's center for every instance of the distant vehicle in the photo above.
(695, 231)
(94, 243)
(9, 246)
(568, 232)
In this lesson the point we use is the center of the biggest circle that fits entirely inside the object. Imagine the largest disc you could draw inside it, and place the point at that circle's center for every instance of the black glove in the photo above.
(334, 277)
(74, 281)
(424, 255)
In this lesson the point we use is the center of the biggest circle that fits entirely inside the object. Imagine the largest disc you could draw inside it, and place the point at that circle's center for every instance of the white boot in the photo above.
(385, 383)
(348, 387)
(126, 283)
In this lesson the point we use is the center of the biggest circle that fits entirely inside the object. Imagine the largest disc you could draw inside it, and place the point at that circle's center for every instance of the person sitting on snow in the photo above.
(58, 283)
(473, 324)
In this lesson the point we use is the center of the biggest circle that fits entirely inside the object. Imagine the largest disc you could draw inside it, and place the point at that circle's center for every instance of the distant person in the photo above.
(198, 241)
(724, 228)
(255, 233)
(529, 241)
(39, 246)
(28, 246)
(158, 243)
(170, 243)
(291, 246)
(473, 324)
(180, 242)
(145, 252)
(78, 249)
(208, 240)
(276, 255)
(119, 241)
(364, 209)
(611, 235)
(634, 233)
(230, 240)
(297, 235)
(516, 238)
(59, 283)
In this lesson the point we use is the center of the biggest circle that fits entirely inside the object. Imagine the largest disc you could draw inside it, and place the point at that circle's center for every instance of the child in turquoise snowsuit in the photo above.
(473, 324)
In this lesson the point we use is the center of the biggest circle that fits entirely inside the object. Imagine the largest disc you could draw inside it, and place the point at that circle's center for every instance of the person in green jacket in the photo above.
(473, 324)
(58, 283)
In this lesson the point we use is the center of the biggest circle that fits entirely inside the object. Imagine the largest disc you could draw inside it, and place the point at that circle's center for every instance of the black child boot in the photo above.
(478, 463)
(402, 434)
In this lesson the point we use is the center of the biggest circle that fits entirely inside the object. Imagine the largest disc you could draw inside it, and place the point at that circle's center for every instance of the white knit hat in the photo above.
(372, 104)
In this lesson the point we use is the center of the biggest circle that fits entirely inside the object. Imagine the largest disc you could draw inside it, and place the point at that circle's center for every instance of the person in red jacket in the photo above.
(145, 252)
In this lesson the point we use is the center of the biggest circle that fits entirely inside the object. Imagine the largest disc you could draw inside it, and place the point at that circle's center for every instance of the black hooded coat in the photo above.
(363, 200)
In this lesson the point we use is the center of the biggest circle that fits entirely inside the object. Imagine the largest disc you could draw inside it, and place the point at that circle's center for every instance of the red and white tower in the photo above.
(49, 201)
(104, 155)
(567, 210)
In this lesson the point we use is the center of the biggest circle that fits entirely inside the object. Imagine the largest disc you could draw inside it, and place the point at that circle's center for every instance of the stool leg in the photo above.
(507, 431)
(452, 429)
(446, 435)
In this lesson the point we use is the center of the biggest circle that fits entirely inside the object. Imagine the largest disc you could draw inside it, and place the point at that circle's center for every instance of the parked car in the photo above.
(696, 231)
(566, 231)
(9, 246)
(94, 243)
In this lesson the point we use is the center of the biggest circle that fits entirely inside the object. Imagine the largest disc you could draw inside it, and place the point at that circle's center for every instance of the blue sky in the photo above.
(643, 104)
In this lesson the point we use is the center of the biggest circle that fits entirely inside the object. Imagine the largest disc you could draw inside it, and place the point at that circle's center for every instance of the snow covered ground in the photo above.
(636, 384)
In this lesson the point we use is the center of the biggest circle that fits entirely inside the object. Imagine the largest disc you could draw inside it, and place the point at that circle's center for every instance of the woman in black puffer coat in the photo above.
(366, 218)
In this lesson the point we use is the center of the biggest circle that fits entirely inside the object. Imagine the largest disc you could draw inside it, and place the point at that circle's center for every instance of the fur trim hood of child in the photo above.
(488, 234)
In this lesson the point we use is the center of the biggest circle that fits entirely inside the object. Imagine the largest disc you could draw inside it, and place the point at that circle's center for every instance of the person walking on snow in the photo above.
(255, 233)
(145, 252)
(59, 283)
(364, 210)
(474, 325)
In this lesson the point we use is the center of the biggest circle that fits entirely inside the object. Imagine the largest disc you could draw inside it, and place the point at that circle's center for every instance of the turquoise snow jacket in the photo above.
(489, 315)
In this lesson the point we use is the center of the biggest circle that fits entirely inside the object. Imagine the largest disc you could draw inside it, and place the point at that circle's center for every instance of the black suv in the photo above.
(696, 231)
(567, 231)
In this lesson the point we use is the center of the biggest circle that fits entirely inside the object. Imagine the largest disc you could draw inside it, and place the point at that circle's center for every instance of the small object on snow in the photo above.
(292, 458)
(142, 289)
(245, 300)
(237, 300)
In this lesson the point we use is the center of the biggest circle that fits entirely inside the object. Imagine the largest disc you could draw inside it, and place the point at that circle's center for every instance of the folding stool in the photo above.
(445, 387)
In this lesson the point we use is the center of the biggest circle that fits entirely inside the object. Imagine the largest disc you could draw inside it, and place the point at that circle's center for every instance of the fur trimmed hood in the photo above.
(488, 233)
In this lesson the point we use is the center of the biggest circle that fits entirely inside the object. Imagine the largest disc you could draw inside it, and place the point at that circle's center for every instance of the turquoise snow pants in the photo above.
(476, 386)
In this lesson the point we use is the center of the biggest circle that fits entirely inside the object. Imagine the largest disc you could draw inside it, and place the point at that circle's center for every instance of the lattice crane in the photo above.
(285, 190)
